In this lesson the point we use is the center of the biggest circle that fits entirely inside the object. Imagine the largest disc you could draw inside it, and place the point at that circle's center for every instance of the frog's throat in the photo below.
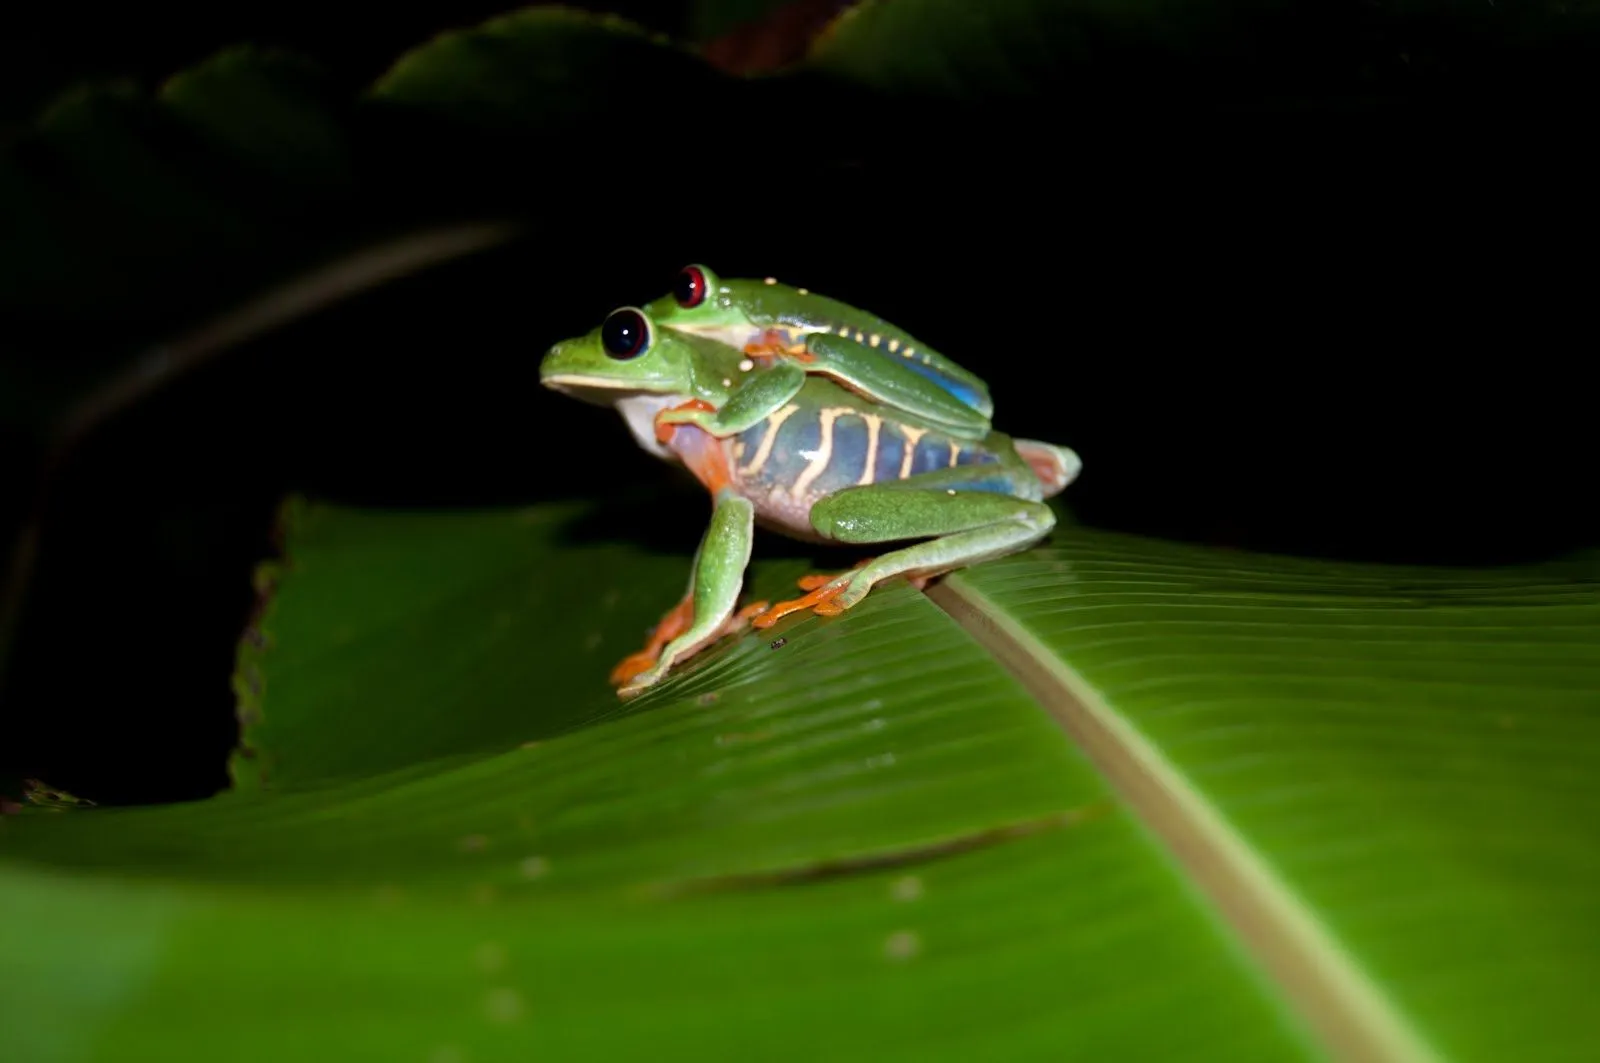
(639, 412)
(599, 390)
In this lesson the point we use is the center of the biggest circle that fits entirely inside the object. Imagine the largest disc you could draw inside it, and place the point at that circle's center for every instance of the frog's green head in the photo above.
(627, 355)
(702, 303)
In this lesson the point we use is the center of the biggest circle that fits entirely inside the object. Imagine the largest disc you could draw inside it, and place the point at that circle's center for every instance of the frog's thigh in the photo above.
(718, 576)
(964, 528)
(890, 380)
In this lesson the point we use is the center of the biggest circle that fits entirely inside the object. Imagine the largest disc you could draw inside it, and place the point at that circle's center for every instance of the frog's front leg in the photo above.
(717, 576)
(752, 402)
(963, 526)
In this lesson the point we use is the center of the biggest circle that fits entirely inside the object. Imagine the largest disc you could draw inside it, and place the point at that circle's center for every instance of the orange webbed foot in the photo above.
(817, 600)
(820, 591)
(747, 613)
(675, 623)
(671, 626)
(632, 665)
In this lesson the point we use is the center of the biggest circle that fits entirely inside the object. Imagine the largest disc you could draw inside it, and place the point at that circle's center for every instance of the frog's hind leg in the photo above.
(960, 512)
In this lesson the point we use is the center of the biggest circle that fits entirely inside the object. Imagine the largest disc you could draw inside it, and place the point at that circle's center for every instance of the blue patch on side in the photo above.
(849, 454)
(891, 448)
(965, 393)
(997, 485)
(751, 438)
(933, 452)
(799, 438)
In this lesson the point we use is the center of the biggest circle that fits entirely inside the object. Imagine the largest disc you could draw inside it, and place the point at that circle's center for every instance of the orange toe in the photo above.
(675, 623)
(816, 600)
(827, 606)
(775, 343)
(753, 609)
(632, 665)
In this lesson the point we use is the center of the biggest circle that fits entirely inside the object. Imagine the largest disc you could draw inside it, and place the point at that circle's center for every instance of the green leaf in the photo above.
(709, 18)
(1288, 796)
(871, 822)
(270, 110)
(117, 200)
(1174, 53)
(376, 590)
(544, 70)
(1410, 753)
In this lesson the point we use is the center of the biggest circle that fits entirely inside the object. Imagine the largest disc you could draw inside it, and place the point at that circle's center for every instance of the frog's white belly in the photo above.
(777, 510)
(639, 412)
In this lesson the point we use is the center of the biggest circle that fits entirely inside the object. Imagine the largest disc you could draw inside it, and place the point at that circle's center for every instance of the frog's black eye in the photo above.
(625, 333)
(691, 287)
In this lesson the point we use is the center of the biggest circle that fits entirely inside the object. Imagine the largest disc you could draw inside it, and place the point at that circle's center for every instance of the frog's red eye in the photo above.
(691, 287)
(625, 333)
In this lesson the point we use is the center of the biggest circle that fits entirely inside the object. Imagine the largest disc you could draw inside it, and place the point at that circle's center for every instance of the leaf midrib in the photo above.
(1317, 976)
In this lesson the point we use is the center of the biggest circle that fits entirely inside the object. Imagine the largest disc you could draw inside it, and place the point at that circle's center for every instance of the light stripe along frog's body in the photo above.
(801, 454)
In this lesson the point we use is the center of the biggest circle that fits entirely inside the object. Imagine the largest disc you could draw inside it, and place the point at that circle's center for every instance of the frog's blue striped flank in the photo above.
(815, 451)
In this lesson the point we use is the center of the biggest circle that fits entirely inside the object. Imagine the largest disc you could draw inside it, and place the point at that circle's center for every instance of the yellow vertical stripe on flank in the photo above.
(869, 472)
(911, 436)
(825, 419)
(774, 422)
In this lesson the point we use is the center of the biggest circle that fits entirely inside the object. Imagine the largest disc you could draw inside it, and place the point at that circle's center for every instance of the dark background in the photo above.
(1358, 330)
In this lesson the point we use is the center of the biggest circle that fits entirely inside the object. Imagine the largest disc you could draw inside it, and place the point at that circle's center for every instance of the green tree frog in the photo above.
(769, 321)
(800, 454)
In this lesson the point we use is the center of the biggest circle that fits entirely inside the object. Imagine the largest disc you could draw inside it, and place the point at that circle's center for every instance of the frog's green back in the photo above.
(779, 305)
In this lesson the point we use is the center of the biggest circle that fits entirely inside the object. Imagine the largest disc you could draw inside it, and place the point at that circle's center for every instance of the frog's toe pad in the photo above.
(631, 666)
(848, 595)
(634, 689)
(828, 607)
(752, 610)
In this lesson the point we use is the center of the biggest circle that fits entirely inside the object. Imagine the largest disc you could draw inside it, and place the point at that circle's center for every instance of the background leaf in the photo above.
(521, 71)
(1173, 55)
